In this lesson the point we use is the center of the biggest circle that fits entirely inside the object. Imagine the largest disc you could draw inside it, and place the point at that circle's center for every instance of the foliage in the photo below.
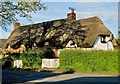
(7, 63)
(48, 53)
(9, 10)
(31, 59)
(119, 32)
(69, 70)
(92, 61)
(118, 41)
(0, 50)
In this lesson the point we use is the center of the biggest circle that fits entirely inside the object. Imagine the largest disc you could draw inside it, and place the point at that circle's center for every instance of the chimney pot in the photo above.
(16, 25)
(71, 16)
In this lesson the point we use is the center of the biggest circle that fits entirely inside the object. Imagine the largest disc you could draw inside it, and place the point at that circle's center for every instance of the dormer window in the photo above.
(72, 43)
(103, 39)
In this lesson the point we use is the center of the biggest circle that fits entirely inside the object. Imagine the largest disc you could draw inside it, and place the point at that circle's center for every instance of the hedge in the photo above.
(89, 60)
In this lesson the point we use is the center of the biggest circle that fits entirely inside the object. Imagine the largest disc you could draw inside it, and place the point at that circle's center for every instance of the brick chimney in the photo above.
(16, 25)
(72, 15)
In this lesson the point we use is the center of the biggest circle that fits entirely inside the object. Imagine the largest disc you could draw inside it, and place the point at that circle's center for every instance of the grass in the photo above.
(89, 61)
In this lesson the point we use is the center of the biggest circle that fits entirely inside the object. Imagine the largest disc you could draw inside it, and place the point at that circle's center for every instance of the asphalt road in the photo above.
(10, 77)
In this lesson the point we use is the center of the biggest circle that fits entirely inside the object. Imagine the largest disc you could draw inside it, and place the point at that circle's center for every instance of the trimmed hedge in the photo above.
(89, 60)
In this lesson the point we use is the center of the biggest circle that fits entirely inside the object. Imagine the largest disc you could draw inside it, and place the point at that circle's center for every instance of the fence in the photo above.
(50, 63)
(18, 63)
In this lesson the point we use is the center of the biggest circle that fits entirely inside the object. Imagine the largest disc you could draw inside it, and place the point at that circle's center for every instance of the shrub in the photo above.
(118, 41)
(31, 59)
(7, 63)
(48, 53)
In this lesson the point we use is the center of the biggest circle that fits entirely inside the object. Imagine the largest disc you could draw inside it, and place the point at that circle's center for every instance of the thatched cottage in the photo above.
(2, 41)
(64, 33)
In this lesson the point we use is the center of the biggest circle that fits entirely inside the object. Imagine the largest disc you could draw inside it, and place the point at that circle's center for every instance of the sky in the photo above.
(106, 11)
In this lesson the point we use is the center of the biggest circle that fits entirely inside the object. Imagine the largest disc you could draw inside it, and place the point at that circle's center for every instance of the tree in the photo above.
(118, 39)
(118, 34)
(9, 10)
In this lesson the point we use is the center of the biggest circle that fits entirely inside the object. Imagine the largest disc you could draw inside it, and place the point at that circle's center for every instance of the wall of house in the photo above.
(102, 46)
(71, 46)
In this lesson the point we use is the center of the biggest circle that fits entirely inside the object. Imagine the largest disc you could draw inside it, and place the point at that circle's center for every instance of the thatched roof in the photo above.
(58, 32)
(2, 41)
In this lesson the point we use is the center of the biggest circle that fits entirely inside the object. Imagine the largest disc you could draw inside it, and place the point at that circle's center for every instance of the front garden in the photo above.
(30, 59)
(70, 60)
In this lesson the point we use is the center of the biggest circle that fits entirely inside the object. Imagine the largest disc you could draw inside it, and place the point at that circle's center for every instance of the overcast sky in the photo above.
(106, 11)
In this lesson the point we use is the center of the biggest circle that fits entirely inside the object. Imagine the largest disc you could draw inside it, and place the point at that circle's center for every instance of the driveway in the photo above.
(12, 76)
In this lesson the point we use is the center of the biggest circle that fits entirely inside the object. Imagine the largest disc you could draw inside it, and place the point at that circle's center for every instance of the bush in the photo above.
(48, 53)
(118, 41)
(31, 59)
(7, 63)
(92, 61)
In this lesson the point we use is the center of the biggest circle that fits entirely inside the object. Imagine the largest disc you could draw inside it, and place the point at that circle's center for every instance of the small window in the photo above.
(72, 43)
(103, 39)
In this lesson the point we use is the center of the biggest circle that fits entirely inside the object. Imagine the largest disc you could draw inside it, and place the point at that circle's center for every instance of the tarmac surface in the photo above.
(28, 77)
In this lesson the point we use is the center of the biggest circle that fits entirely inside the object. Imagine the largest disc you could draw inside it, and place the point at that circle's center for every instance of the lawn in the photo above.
(89, 60)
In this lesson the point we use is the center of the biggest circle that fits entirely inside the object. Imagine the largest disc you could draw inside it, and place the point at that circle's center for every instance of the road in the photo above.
(12, 76)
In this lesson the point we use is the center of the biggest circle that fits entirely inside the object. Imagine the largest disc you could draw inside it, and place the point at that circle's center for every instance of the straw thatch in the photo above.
(58, 32)
(2, 41)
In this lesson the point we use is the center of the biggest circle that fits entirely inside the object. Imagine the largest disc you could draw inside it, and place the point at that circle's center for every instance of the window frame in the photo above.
(103, 39)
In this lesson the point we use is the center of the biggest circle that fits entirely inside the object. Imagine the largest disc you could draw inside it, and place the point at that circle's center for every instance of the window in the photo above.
(103, 39)
(72, 43)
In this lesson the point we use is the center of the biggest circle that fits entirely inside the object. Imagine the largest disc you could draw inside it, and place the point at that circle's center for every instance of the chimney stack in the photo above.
(16, 25)
(72, 15)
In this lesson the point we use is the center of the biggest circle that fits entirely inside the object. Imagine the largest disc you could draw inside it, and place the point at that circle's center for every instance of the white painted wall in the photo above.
(71, 46)
(103, 46)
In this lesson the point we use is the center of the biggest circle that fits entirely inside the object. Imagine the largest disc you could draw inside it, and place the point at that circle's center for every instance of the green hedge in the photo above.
(91, 61)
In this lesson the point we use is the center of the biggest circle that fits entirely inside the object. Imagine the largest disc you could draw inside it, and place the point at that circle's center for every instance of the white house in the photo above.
(103, 42)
